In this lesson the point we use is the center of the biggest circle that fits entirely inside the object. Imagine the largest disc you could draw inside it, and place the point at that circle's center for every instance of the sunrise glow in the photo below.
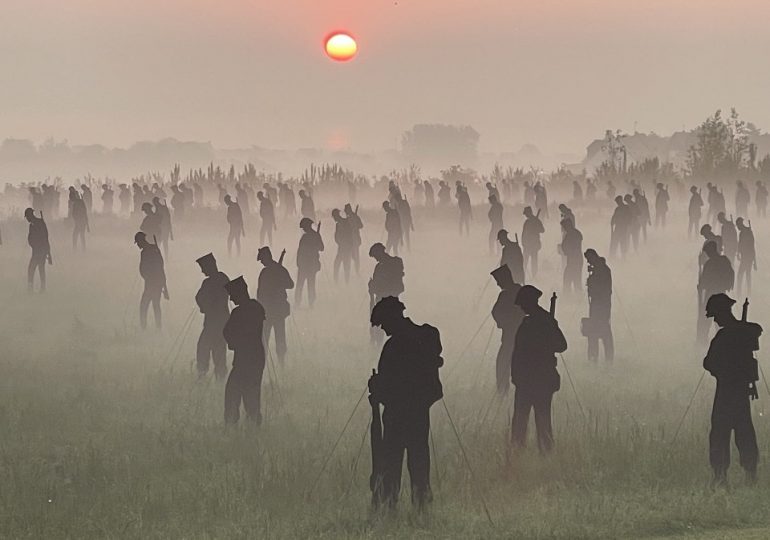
(341, 47)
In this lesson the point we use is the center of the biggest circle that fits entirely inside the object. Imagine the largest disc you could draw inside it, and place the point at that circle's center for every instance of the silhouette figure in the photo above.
(151, 222)
(152, 271)
(716, 277)
(407, 384)
(661, 204)
(565, 212)
(178, 201)
(108, 199)
(307, 206)
(243, 333)
(405, 215)
(308, 260)
(212, 301)
(164, 219)
(267, 213)
(512, 256)
(125, 199)
(747, 256)
(508, 317)
(730, 360)
(530, 239)
(387, 280)
(393, 228)
(643, 208)
(598, 325)
(443, 194)
(286, 200)
(274, 281)
(694, 211)
(343, 237)
(760, 198)
(572, 248)
(742, 199)
(620, 228)
(430, 198)
(88, 198)
(355, 224)
(235, 221)
(79, 214)
(541, 199)
(464, 205)
(729, 236)
(37, 238)
(533, 369)
(635, 224)
(495, 216)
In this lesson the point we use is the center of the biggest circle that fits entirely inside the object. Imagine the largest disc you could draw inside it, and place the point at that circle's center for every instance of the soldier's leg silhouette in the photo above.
(156, 309)
(721, 430)
(212, 345)
(356, 261)
(251, 389)
(219, 355)
(542, 405)
(609, 343)
(613, 243)
(394, 444)
(234, 392)
(311, 288)
(299, 287)
(337, 263)
(144, 305)
(346, 266)
(745, 436)
(36, 263)
(522, 404)
(203, 352)
(279, 332)
(593, 347)
(534, 264)
(418, 456)
(407, 239)
(503, 364)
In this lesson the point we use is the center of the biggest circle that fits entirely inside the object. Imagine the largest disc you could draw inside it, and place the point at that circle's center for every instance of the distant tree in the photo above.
(723, 147)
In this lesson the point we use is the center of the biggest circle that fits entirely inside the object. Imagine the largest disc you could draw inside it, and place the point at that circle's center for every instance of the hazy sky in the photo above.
(242, 72)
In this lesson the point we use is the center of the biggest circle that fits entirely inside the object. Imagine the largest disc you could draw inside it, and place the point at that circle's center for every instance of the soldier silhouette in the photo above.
(747, 255)
(343, 237)
(407, 384)
(274, 281)
(512, 256)
(212, 300)
(355, 224)
(151, 222)
(495, 216)
(79, 214)
(742, 199)
(37, 238)
(443, 194)
(152, 270)
(730, 360)
(598, 325)
(565, 212)
(387, 280)
(88, 198)
(760, 198)
(235, 221)
(530, 240)
(108, 199)
(164, 219)
(393, 228)
(508, 317)
(694, 211)
(533, 369)
(267, 213)
(125, 199)
(308, 261)
(430, 198)
(620, 228)
(243, 334)
(716, 277)
(643, 207)
(464, 205)
(307, 206)
(661, 204)
(572, 248)
(729, 236)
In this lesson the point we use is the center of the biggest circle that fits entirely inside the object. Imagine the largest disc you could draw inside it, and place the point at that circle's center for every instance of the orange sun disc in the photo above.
(341, 46)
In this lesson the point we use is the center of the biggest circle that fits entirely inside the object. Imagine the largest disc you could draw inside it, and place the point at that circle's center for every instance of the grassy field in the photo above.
(105, 432)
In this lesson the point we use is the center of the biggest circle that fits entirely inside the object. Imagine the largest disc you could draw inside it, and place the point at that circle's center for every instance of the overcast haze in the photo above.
(240, 72)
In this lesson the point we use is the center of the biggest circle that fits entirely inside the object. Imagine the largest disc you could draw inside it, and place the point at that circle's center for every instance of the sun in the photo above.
(341, 46)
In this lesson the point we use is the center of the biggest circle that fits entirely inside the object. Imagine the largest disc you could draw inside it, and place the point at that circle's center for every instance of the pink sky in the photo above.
(237, 72)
